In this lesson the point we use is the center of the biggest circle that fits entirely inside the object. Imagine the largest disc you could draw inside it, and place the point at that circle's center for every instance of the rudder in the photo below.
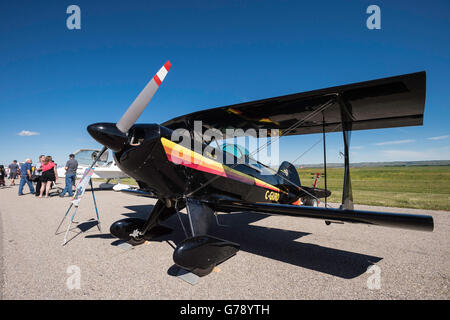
(288, 171)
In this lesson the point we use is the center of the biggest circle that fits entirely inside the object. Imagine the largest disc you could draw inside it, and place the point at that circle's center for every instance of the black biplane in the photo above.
(180, 177)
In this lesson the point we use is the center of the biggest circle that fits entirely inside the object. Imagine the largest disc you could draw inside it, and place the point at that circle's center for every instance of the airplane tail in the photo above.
(288, 171)
(307, 194)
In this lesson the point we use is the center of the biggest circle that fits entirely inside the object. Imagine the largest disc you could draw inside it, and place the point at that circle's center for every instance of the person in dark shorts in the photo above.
(71, 174)
(49, 175)
(13, 170)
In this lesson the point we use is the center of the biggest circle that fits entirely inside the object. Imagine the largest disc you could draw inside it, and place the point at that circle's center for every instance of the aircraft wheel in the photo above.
(200, 254)
(203, 272)
(136, 241)
(311, 203)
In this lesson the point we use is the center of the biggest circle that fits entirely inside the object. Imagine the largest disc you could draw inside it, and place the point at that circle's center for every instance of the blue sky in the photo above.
(55, 81)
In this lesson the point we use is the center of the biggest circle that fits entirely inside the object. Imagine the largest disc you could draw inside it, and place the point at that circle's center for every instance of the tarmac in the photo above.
(280, 257)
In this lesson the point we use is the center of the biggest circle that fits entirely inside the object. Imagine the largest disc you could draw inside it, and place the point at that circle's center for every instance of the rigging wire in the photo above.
(324, 155)
(294, 126)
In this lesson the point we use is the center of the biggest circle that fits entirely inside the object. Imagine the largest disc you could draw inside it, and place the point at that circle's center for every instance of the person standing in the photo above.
(38, 173)
(71, 173)
(2, 175)
(49, 175)
(13, 169)
(25, 177)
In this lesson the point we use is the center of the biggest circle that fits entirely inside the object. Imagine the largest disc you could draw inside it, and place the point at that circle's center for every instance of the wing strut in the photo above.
(324, 155)
(346, 119)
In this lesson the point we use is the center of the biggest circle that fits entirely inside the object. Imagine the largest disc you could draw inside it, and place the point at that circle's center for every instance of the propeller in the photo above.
(113, 135)
(137, 107)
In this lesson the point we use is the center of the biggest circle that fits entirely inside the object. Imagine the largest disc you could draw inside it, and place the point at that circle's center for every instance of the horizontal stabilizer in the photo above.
(309, 192)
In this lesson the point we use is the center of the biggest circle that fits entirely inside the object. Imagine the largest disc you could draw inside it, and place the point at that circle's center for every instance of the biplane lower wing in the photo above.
(386, 219)
(139, 193)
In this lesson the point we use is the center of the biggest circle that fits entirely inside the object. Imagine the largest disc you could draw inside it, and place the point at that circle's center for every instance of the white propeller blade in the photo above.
(139, 104)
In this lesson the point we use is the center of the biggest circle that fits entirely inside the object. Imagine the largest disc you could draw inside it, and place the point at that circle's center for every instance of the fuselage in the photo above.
(173, 171)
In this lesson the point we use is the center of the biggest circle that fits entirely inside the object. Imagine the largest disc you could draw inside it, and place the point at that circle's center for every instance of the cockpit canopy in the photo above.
(243, 156)
(236, 150)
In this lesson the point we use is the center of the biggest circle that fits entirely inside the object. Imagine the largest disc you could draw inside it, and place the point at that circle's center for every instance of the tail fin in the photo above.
(288, 171)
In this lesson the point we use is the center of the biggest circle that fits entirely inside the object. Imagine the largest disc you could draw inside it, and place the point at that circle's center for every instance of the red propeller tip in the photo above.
(167, 65)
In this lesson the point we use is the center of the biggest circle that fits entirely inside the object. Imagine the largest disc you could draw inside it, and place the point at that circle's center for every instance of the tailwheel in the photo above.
(311, 202)
(200, 254)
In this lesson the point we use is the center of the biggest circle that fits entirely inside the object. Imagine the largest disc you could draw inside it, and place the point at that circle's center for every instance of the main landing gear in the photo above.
(136, 231)
(199, 253)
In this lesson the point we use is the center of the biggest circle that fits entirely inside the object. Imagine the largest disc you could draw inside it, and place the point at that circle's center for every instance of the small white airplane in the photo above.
(102, 169)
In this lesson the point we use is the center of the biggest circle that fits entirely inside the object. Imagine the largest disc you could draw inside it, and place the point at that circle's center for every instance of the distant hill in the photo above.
(380, 164)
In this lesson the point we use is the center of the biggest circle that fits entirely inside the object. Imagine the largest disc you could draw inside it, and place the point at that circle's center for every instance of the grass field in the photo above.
(422, 187)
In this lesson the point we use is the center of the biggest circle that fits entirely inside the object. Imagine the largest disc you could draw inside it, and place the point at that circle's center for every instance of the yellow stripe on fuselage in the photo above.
(189, 158)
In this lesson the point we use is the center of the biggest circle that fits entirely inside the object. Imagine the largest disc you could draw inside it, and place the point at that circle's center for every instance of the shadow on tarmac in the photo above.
(273, 243)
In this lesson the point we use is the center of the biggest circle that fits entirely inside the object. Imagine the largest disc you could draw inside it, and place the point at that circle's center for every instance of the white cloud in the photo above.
(439, 138)
(26, 133)
(394, 142)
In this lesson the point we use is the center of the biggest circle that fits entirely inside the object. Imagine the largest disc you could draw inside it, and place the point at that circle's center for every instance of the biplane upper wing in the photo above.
(383, 103)
(386, 219)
